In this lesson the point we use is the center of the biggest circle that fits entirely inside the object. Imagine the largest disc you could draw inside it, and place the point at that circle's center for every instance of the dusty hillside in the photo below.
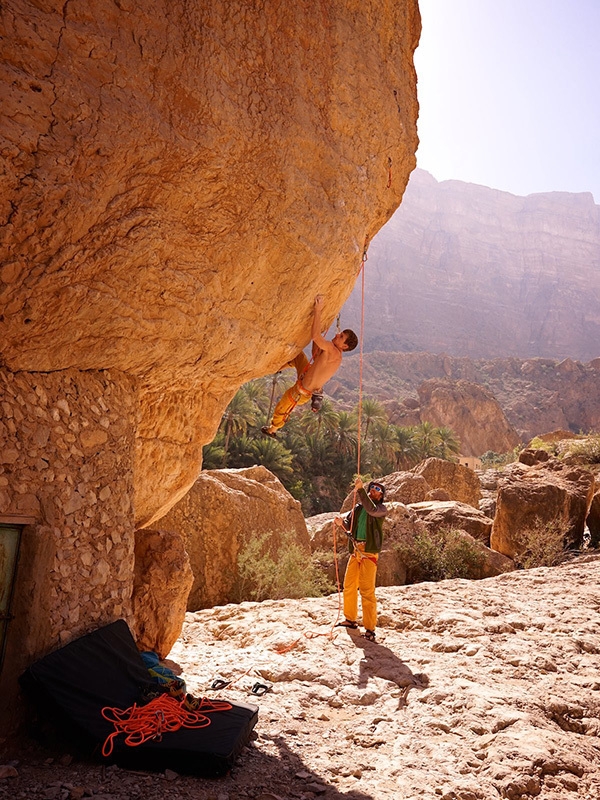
(472, 271)
(474, 691)
(537, 395)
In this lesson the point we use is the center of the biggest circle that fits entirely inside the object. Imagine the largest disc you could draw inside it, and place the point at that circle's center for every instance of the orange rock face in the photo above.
(180, 180)
(162, 581)
(222, 512)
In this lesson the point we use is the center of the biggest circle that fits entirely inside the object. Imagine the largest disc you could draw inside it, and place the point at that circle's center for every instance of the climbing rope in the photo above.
(361, 351)
(281, 649)
(358, 449)
(161, 715)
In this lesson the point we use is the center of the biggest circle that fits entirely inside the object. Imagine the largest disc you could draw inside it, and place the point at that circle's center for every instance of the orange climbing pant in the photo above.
(296, 395)
(360, 576)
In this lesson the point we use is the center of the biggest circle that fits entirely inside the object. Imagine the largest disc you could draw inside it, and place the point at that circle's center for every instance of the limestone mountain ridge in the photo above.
(473, 271)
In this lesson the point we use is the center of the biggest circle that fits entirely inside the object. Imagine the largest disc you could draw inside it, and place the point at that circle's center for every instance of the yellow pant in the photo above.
(360, 576)
(296, 395)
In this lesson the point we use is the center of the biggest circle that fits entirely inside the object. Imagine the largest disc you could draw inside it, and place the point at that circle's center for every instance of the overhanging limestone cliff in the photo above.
(180, 179)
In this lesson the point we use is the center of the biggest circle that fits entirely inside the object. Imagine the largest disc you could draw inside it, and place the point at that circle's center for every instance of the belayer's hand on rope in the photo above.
(340, 524)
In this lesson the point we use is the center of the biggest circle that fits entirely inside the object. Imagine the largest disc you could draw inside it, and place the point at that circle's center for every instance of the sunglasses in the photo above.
(377, 487)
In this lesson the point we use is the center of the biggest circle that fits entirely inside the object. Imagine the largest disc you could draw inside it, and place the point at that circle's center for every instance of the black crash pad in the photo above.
(72, 685)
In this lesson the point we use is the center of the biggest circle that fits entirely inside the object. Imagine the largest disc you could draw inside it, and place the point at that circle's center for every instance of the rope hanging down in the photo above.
(358, 454)
(360, 360)
(359, 419)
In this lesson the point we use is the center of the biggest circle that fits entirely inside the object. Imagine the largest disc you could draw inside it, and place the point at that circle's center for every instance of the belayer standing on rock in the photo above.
(312, 375)
(364, 525)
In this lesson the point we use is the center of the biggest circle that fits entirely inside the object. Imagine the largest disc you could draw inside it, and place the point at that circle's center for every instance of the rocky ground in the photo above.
(473, 691)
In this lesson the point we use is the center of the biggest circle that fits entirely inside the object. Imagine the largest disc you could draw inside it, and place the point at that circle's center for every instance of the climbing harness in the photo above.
(162, 715)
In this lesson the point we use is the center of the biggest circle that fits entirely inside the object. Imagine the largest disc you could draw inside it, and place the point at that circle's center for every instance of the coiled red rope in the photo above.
(161, 715)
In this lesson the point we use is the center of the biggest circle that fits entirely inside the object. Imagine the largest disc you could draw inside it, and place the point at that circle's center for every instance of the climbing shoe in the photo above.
(267, 432)
(316, 402)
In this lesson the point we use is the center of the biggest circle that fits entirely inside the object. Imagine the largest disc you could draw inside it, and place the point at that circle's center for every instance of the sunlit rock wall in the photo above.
(179, 180)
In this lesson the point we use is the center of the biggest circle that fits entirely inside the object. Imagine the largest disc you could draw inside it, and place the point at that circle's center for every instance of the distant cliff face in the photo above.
(472, 271)
(180, 179)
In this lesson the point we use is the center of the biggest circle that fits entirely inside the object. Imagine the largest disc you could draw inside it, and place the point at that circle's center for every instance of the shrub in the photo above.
(542, 544)
(291, 573)
(490, 459)
(438, 555)
(539, 444)
(588, 450)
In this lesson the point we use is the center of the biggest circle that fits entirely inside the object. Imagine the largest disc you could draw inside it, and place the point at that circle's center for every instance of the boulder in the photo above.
(487, 504)
(162, 581)
(460, 482)
(437, 494)
(471, 411)
(531, 456)
(400, 526)
(491, 563)
(223, 510)
(549, 493)
(451, 514)
(593, 521)
(557, 436)
(404, 522)
(439, 521)
(400, 487)
(405, 487)
(320, 531)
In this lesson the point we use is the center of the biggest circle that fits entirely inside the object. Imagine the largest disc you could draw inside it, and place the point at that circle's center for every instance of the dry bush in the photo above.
(439, 555)
(587, 450)
(542, 544)
(291, 573)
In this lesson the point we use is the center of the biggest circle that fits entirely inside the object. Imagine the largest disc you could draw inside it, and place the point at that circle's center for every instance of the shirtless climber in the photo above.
(327, 357)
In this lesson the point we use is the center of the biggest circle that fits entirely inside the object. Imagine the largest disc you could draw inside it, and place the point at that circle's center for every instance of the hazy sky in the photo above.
(509, 93)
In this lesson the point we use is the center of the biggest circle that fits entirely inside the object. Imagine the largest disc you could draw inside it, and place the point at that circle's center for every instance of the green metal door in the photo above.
(10, 540)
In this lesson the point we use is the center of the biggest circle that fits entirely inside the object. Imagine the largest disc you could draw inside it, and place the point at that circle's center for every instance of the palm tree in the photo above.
(448, 444)
(319, 454)
(344, 436)
(240, 452)
(326, 419)
(273, 455)
(426, 440)
(371, 410)
(240, 413)
(407, 448)
(213, 453)
(258, 393)
(385, 445)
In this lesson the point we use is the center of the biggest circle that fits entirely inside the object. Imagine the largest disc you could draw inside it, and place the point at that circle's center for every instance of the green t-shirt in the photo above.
(361, 528)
